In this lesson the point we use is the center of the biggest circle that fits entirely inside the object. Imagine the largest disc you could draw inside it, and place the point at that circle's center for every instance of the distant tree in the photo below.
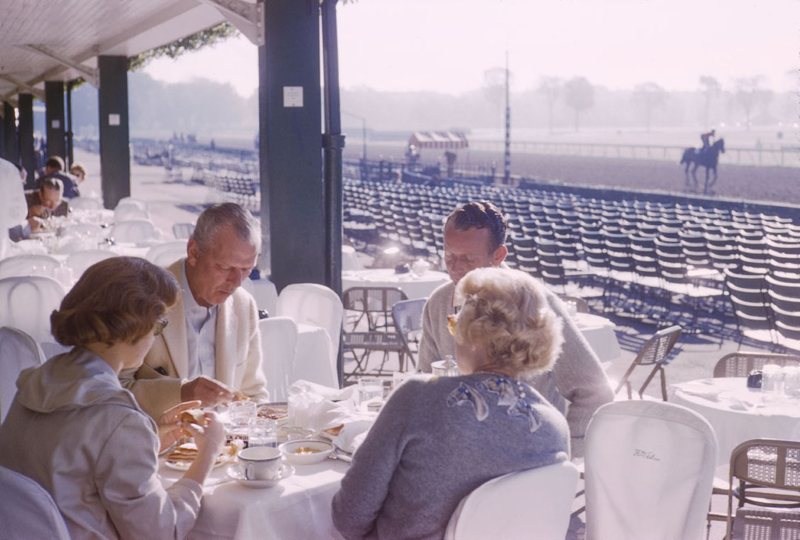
(550, 88)
(749, 95)
(711, 90)
(650, 96)
(494, 85)
(195, 42)
(579, 95)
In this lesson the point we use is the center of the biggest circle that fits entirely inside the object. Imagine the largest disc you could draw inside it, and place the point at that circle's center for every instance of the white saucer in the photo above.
(236, 472)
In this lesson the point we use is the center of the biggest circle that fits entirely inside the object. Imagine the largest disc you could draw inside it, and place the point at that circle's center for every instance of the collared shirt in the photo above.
(201, 334)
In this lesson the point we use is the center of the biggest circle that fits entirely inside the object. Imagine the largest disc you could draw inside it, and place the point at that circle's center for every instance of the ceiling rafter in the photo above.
(90, 74)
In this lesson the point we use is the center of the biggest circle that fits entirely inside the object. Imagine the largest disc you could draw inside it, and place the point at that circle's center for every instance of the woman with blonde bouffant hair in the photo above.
(73, 428)
(436, 441)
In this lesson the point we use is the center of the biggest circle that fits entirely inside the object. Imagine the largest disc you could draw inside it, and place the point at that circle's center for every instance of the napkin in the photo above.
(318, 407)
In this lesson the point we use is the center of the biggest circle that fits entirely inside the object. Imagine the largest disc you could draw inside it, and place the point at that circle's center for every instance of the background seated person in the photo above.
(213, 348)
(436, 441)
(42, 203)
(54, 168)
(73, 429)
(474, 237)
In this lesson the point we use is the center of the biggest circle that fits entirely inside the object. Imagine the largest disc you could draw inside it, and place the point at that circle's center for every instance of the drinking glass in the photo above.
(241, 412)
(772, 380)
(263, 432)
(370, 388)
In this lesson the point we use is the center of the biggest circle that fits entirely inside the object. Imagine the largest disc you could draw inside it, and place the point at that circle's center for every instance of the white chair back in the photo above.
(28, 265)
(309, 303)
(90, 230)
(167, 253)
(28, 302)
(85, 203)
(79, 261)
(649, 471)
(524, 505)
(129, 212)
(264, 292)
(131, 201)
(18, 351)
(279, 349)
(27, 510)
(134, 231)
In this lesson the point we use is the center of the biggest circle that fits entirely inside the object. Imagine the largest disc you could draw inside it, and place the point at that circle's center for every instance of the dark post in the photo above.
(26, 137)
(292, 191)
(54, 115)
(333, 142)
(115, 159)
(70, 153)
(3, 116)
(10, 128)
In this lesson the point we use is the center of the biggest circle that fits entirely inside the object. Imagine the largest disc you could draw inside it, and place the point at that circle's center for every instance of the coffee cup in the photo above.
(260, 462)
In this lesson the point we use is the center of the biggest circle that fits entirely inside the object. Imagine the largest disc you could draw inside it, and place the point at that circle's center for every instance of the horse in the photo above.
(707, 158)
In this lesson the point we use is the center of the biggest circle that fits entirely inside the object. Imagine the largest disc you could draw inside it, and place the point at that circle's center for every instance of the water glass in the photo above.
(263, 432)
(370, 388)
(772, 380)
(301, 409)
(791, 381)
(240, 413)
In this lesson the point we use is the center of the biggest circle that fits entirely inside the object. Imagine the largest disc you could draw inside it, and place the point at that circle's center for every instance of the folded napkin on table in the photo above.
(327, 408)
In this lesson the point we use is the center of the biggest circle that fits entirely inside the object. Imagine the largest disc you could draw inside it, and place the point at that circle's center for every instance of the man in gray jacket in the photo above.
(474, 237)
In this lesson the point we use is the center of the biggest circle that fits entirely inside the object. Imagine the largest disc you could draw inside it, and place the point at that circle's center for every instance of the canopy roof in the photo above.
(439, 139)
(56, 40)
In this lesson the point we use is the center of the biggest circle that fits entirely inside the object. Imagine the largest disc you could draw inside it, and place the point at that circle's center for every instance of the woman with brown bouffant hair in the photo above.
(74, 429)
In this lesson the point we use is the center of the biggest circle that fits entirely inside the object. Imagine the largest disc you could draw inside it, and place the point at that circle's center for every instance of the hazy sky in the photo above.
(446, 45)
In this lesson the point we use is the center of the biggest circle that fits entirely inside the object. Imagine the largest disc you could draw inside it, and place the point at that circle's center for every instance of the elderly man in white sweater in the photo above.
(474, 237)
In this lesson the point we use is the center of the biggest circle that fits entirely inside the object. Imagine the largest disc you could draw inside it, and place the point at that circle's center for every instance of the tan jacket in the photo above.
(157, 384)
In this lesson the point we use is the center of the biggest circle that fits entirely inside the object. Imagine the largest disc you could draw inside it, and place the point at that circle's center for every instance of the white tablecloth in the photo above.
(738, 413)
(299, 507)
(414, 286)
(599, 332)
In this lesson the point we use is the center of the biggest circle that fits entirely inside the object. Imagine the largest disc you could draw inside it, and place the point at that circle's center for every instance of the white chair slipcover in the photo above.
(314, 305)
(524, 505)
(28, 302)
(134, 231)
(129, 212)
(18, 351)
(649, 471)
(167, 253)
(27, 510)
(28, 265)
(278, 347)
(264, 292)
(131, 201)
(85, 203)
(79, 261)
(91, 230)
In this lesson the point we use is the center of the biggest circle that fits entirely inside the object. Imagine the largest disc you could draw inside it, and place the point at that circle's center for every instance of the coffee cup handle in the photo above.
(249, 473)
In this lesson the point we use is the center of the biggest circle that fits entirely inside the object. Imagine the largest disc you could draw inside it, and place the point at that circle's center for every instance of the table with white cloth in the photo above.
(738, 413)
(415, 286)
(299, 507)
(600, 334)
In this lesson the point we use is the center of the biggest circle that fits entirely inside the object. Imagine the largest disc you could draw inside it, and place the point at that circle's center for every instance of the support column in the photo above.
(292, 190)
(70, 149)
(10, 128)
(115, 160)
(3, 116)
(26, 150)
(54, 115)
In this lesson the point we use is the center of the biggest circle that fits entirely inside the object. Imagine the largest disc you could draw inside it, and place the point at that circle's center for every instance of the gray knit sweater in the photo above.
(435, 442)
(576, 377)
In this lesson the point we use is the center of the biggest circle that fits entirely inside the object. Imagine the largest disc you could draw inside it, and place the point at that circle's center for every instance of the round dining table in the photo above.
(297, 507)
(414, 285)
(738, 413)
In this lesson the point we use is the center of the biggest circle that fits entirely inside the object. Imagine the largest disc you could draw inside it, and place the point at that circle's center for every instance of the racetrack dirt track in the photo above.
(749, 183)
(772, 184)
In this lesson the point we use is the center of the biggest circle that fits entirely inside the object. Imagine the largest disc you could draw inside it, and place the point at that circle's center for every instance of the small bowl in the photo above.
(321, 451)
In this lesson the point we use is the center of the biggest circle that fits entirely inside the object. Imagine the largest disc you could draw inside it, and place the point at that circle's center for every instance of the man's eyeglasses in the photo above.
(160, 325)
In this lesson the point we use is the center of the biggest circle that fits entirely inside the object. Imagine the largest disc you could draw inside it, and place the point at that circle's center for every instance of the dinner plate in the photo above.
(236, 472)
(184, 465)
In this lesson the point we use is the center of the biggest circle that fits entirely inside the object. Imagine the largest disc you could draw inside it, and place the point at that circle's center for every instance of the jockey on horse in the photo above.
(705, 138)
